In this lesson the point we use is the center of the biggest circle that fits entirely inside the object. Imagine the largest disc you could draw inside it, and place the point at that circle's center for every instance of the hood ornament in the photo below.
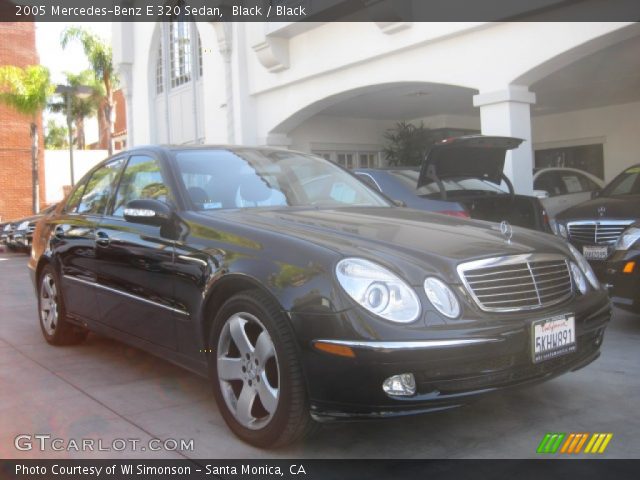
(506, 230)
(602, 210)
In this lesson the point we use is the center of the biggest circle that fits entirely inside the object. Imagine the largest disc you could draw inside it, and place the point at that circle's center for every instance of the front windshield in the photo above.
(410, 178)
(250, 178)
(627, 183)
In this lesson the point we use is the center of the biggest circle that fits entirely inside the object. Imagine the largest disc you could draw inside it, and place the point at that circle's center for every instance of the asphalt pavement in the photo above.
(122, 396)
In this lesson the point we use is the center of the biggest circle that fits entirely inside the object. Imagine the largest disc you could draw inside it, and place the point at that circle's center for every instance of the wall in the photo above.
(17, 47)
(324, 132)
(618, 126)
(57, 169)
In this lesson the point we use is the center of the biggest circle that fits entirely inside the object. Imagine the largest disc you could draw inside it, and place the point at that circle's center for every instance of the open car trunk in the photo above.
(519, 210)
(480, 157)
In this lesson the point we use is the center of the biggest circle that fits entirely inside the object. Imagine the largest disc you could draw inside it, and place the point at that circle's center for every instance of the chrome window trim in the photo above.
(125, 294)
(375, 182)
(382, 346)
(523, 260)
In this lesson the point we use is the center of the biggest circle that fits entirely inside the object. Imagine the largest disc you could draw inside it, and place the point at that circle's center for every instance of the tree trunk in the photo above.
(108, 108)
(35, 182)
(80, 139)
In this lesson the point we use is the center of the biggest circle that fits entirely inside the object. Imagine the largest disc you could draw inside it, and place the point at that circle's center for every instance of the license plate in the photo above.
(595, 253)
(553, 337)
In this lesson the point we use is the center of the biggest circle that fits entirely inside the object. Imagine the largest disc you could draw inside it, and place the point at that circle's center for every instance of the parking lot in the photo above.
(105, 390)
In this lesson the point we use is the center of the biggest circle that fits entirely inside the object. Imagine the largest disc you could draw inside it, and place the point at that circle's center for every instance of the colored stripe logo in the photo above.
(574, 443)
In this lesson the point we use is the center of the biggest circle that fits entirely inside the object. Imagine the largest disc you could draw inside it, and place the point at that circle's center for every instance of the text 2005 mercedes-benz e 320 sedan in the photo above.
(303, 294)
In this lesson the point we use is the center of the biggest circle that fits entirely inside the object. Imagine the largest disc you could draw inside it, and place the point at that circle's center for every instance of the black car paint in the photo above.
(159, 289)
(624, 288)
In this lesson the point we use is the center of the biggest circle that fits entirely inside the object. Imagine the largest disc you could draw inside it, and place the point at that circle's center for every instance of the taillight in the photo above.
(455, 213)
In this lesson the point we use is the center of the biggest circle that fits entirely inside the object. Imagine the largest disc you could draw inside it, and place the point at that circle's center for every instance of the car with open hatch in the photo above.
(303, 294)
(464, 177)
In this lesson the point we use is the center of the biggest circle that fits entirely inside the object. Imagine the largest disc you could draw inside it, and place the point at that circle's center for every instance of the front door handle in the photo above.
(102, 239)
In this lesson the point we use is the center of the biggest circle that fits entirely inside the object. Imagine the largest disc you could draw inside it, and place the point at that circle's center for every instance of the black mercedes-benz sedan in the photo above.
(302, 293)
(594, 227)
(623, 270)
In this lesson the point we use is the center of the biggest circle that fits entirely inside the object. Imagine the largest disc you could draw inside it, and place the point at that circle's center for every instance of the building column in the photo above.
(507, 113)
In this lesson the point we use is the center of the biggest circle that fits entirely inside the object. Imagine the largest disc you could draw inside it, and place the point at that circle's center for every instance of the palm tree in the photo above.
(26, 90)
(100, 57)
(81, 107)
(55, 136)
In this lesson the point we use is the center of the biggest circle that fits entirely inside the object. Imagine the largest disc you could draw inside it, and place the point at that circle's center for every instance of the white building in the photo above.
(571, 90)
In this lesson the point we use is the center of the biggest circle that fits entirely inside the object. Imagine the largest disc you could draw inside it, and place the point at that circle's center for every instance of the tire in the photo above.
(53, 322)
(258, 381)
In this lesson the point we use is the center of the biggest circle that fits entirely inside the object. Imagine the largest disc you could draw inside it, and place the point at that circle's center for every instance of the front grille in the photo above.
(597, 232)
(520, 282)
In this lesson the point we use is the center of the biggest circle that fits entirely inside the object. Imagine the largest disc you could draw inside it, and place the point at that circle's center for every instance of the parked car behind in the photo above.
(302, 293)
(399, 184)
(467, 171)
(23, 234)
(595, 226)
(565, 187)
(6, 236)
(623, 270)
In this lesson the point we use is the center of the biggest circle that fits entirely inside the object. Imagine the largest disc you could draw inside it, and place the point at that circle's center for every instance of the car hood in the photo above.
(625, 207)
(416, 239)
(470, 156)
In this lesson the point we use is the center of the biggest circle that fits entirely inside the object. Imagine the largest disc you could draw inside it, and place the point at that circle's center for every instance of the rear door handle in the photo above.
(102, 239)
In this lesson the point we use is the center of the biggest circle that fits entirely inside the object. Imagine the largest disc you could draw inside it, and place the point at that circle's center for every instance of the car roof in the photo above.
(174, 148)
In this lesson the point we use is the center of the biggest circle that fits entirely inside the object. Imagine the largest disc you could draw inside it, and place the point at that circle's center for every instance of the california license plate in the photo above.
(595, 252)
(553, 337)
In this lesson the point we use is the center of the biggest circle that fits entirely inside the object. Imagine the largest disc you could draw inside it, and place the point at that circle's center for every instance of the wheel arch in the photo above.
(223, 289)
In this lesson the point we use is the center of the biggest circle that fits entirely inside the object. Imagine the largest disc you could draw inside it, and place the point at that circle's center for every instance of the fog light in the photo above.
(403, 384)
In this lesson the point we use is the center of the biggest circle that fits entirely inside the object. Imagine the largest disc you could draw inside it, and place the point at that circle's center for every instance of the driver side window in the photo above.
(142, 179)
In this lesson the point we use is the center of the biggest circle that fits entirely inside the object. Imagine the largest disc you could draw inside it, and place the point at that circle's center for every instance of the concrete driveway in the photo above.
(105, 390)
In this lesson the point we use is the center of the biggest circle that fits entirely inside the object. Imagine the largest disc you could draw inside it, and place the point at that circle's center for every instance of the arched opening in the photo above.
(349, 127)
(588, 107)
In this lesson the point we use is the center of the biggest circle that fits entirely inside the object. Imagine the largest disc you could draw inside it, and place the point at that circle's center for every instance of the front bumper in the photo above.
(447, 375)
(624, 287)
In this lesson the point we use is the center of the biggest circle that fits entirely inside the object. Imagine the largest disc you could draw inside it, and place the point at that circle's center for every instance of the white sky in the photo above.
(71, 59)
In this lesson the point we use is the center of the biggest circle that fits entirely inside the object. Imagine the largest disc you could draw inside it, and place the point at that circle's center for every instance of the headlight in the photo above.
(578, 278)
(585, 267)
(562, 230)
(378, 290)
(442, 297)
(628, 238)
(23, 226)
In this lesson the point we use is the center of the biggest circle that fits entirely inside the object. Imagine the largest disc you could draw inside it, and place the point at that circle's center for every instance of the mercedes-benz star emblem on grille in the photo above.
(602, 211)
(506, 230)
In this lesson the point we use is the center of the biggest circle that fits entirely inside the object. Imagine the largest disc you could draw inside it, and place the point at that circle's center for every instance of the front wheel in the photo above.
(55, 327)
(256, 374)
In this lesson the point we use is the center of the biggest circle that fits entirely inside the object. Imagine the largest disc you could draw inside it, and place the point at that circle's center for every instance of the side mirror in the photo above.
(148, 212)
(595, 193)
(399, 203)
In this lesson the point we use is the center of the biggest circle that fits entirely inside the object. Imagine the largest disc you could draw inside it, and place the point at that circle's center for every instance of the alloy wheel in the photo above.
(248, 370)
(49, 304)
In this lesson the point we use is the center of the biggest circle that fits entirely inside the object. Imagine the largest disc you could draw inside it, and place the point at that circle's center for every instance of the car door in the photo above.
(73, 239)
(551, 182)
(135, 261)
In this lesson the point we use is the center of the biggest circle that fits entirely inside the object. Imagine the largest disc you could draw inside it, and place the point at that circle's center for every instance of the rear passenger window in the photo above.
(99, 188)
(142, 179)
